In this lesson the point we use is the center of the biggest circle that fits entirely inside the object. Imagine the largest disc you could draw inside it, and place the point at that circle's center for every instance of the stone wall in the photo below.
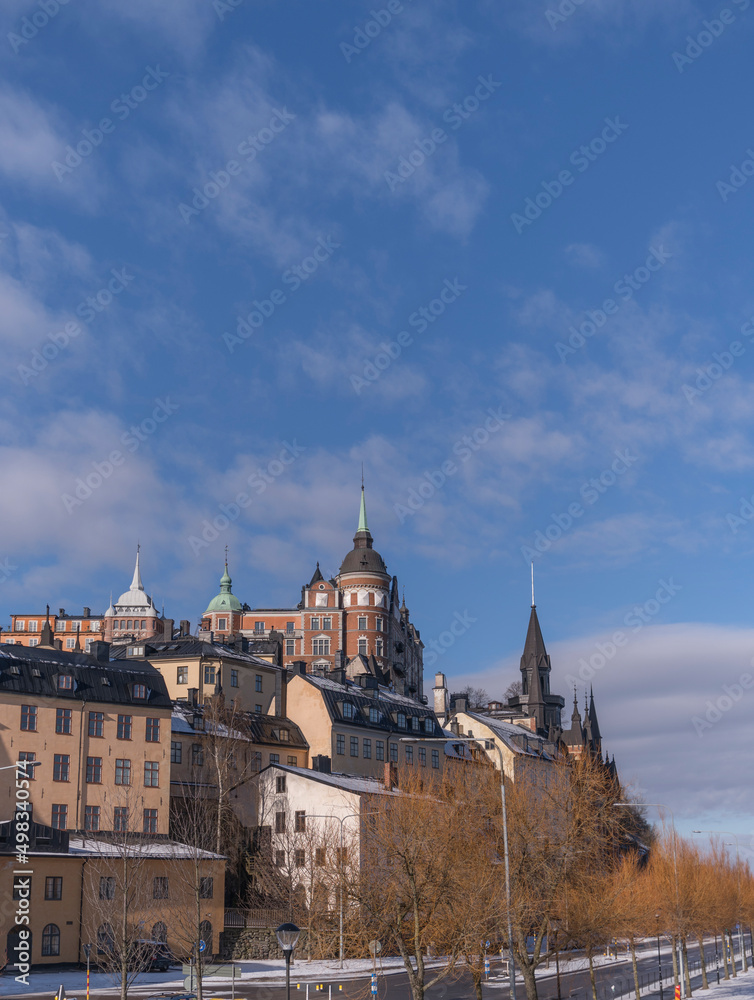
(255, 943)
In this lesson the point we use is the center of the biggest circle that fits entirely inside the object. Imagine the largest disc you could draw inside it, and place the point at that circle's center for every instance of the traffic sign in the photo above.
(202, 946)
(375, 947)
(374, 985)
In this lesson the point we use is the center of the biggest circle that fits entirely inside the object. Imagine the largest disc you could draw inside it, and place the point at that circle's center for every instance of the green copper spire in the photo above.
(363, 526)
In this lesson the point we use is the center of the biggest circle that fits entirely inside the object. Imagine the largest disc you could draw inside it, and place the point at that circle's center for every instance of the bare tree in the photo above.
(514, 689)
(476, 698)
(116, 891)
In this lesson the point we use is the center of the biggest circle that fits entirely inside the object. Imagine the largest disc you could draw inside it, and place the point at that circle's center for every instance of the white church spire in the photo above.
(136, 583)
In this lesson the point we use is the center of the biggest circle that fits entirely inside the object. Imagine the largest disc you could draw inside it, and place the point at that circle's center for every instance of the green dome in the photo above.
(226, 599)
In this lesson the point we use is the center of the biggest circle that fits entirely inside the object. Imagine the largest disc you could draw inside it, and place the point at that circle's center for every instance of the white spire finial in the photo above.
(532, 585)
(136, 583)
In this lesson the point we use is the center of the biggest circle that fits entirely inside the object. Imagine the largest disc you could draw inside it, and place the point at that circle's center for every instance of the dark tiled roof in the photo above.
(33, 670)
(188, 646)
(257, 727)
(336, 695)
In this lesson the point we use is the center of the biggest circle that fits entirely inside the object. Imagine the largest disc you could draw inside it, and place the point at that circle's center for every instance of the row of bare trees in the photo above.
(423, 873)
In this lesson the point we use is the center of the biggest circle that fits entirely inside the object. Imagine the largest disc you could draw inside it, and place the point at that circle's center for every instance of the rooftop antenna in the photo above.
(532, 585)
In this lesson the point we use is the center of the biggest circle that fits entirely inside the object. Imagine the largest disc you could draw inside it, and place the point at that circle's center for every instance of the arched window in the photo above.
(51, 940)
(160, 932)
(205, 933)
(105, 939)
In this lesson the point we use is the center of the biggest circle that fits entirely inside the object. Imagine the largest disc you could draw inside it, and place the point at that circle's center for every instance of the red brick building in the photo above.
(354, 622)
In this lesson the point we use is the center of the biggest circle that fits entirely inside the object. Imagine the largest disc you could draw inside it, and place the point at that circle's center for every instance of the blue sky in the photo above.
(356, 191)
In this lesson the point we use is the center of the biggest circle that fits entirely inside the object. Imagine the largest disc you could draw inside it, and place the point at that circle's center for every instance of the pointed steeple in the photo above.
(226, 600)
(575, 714)
(317, 576)
(363, 526)
(593, 723)
(136, 583)
(358, 560)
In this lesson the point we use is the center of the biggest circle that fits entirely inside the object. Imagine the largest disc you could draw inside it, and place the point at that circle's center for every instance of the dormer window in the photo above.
(140, 691)
(283, 735)
(65, 682)
(429, 726)
(415, 724)
(374, 715)
(347, 710)
(401, 720)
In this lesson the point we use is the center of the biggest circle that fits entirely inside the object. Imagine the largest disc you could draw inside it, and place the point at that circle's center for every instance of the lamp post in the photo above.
(287, 935)
(659, 954)
(661, 805)
(729, 833)
(487, 742)
(555, 924)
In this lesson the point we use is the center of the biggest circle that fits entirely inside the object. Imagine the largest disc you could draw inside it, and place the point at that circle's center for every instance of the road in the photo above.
(574, 984)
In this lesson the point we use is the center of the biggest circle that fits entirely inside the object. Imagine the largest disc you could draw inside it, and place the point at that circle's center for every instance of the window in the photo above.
(300, 822)
(314, 623)
(274, 758)
(160, 887)
(182, 675)
(122, 772)
(206, 887)
(280, 784)
(63, 720)
(197, 755)
(367, 748)
(125, 723)
(150, 821)
(354, 746)
(222, 624)
(120, 819)
(209, 673)
(299, 857)
(234, 678)
(107, 887)
(176, 752)
(151, 774)
(379, 750)
(54, 887)
(96, 722)
(61, 767)
(283, 735)
(258, 682)
(378, 647)
(378, 624)
(290, 626)
(65, 682)
(160, 932)
(91, 818)
(326, 624)
(27, 772)
(409, 755)
(259, 626)
(279, 822)
(130, 623)
(348, 710)
(33, 626)
(70, 644)
(340, 744)
(51, 940)
(363, 647)
(140, 691)
(33, 642)
(320, 647)
(374, 714)
(280, 859)
(415, 723)
(290, 647)
(59, 817)
(362, 622)
(429, 725)
(292, 760)
(256, 761)
(401, 720)
(29, 718)
(258, 709)
(153, 730)
(94, 770)
(105, 939)
(423, 756)
(435, 758)
(320, 857)
(394, 752)
(21, 626)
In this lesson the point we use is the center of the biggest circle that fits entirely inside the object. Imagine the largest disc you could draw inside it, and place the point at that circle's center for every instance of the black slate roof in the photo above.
(336, 695)
(185, 646)
(34, 671)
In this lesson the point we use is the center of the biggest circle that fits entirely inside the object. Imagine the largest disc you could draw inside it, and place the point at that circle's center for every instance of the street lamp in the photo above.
(287, 935)
(661, 805)
(659, 954)
(487, 742)
(555, 925)
(729, 833)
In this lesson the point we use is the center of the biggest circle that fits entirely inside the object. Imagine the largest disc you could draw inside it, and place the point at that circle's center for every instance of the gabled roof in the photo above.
(516, 738)
(347, 782)
(316, 577)
(335, 695)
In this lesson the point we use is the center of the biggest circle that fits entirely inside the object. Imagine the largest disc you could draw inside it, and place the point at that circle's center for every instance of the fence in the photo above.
(613, 988)
(241, 919)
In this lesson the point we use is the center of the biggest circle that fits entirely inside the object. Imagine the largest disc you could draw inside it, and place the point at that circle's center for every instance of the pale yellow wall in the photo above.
(246, 694)
(66, 912)
(78, 745)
